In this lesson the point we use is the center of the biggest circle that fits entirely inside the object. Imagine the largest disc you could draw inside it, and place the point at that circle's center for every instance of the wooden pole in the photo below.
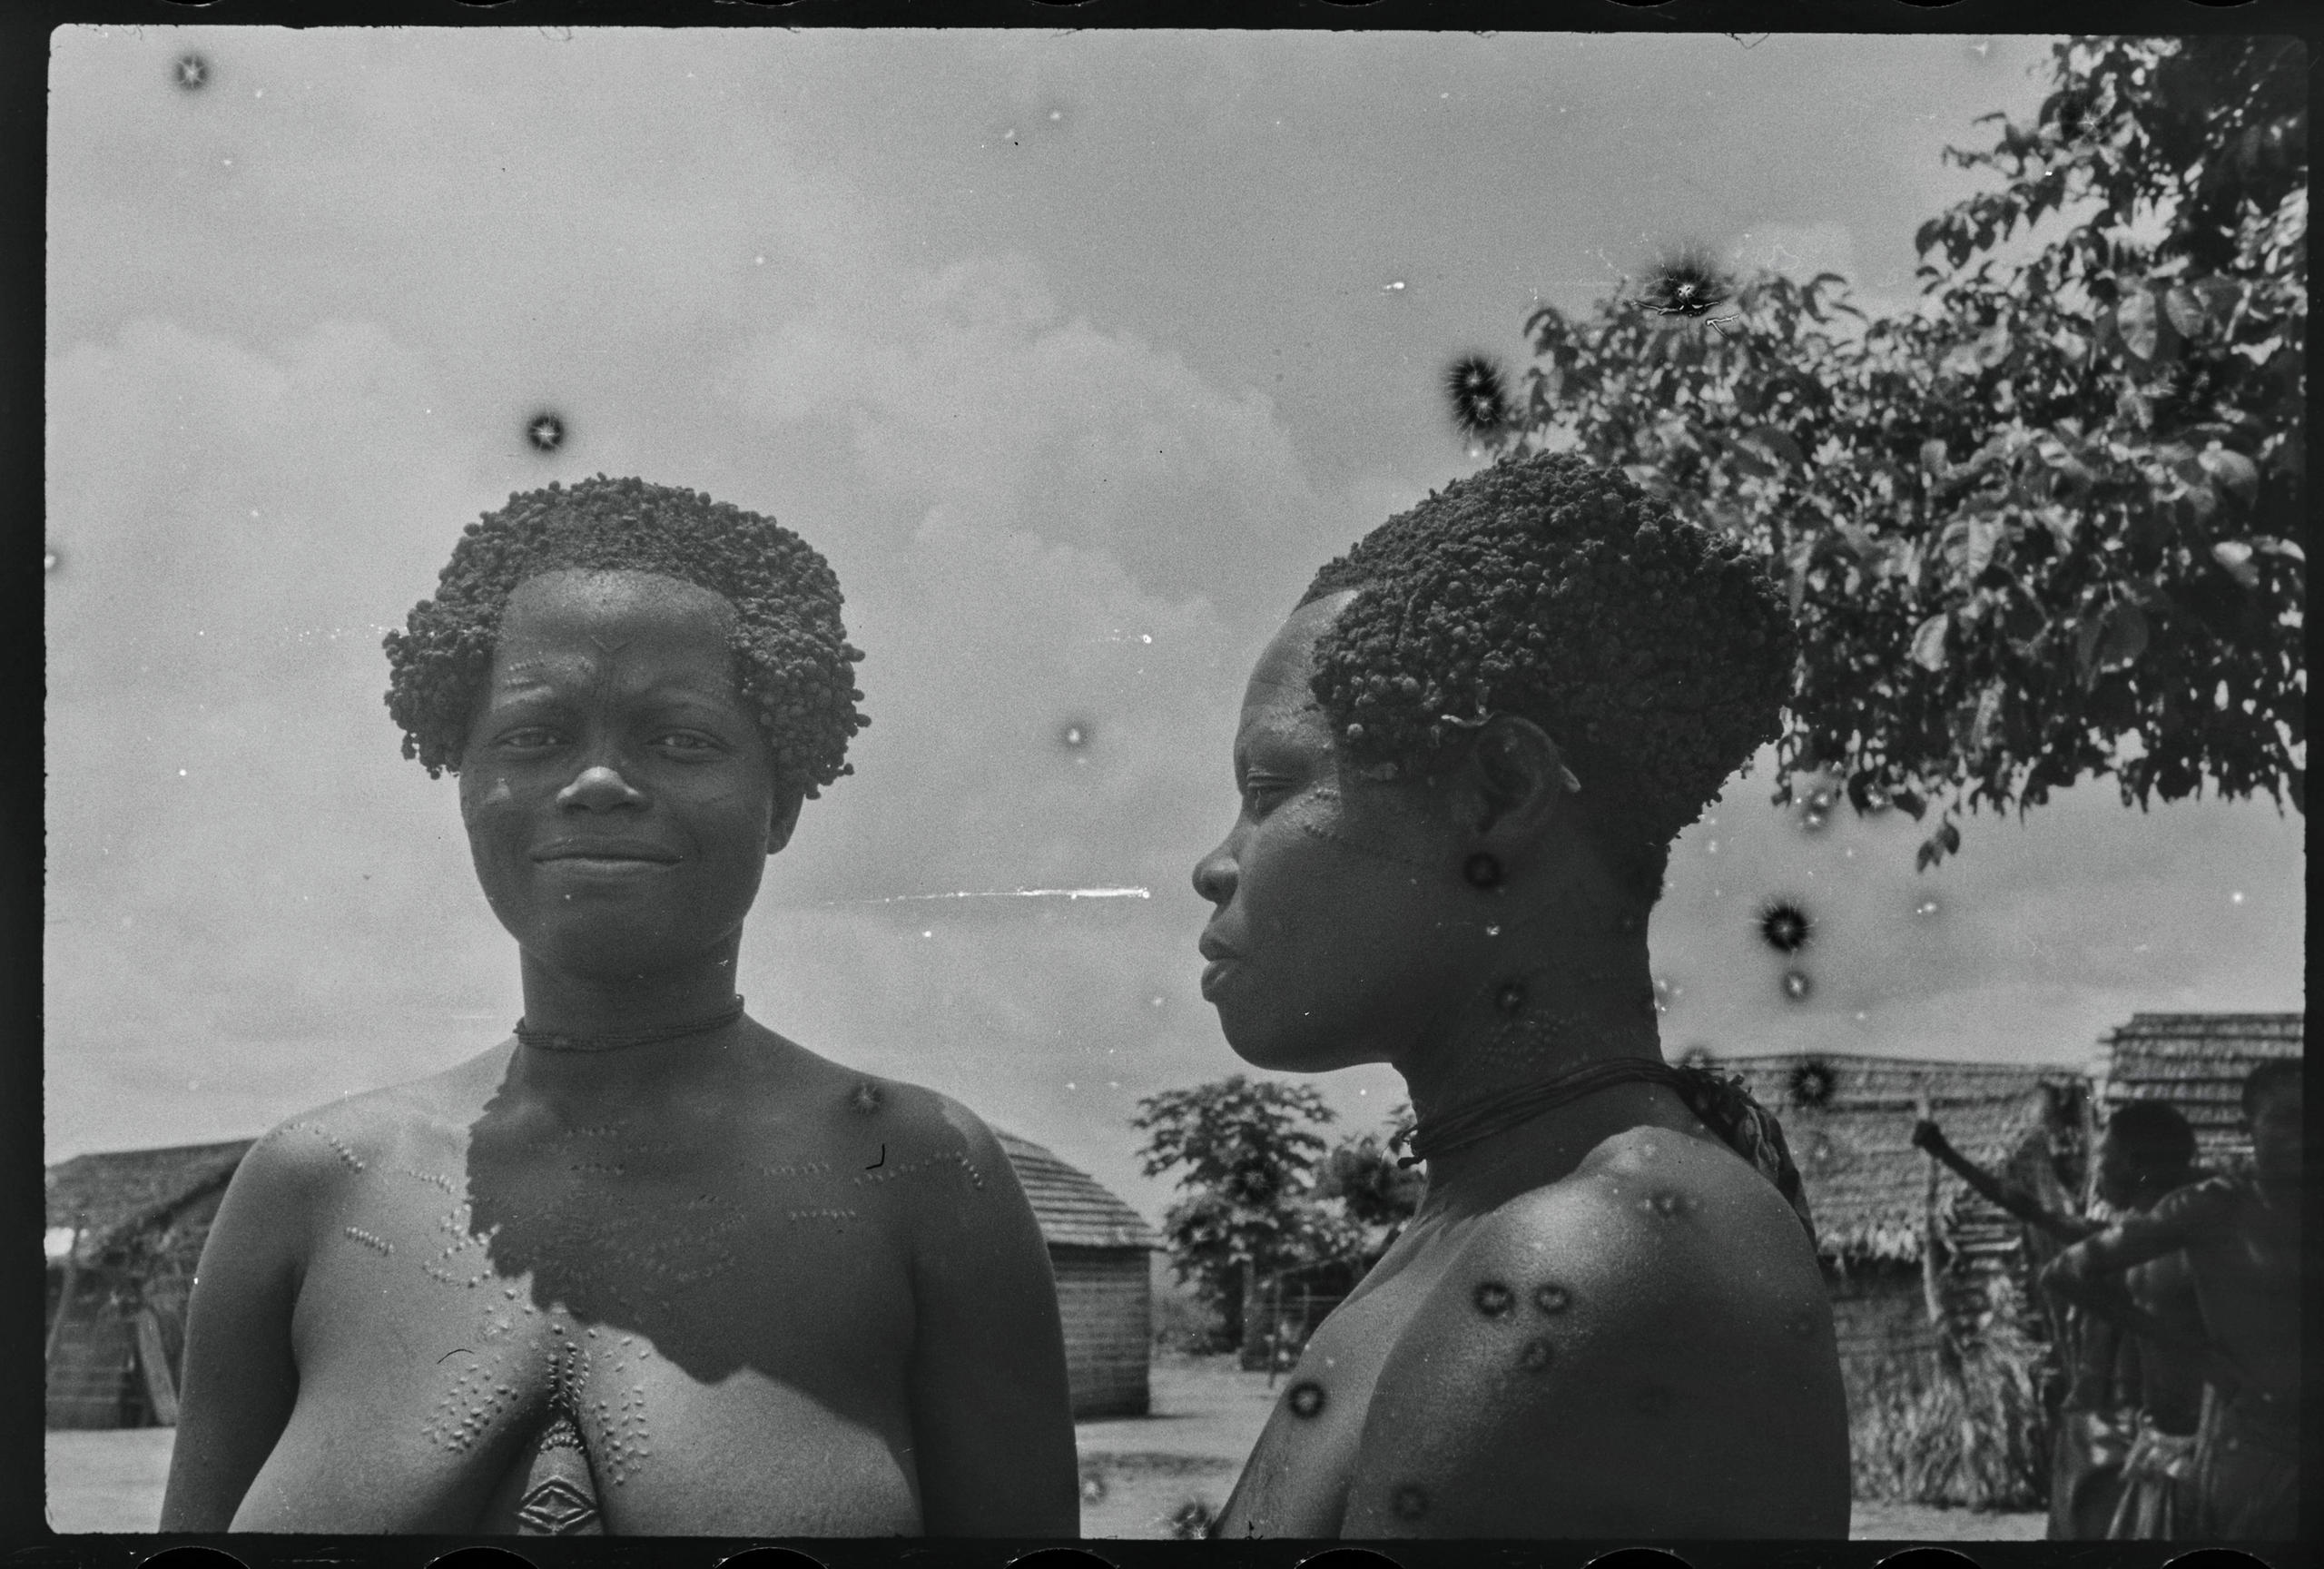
(63, 1303)
(1931, 1297)
(153, 1361)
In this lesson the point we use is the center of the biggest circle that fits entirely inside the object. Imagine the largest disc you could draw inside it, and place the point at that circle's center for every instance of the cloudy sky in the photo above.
(1076, 355)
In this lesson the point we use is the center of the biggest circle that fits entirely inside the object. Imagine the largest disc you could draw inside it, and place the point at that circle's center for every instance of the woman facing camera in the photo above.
(1461, 763)
(646, 1265)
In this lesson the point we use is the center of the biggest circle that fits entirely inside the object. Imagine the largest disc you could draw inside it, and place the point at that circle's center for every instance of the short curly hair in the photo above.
(2155, 1131)
(1658, 656)
(793, 660)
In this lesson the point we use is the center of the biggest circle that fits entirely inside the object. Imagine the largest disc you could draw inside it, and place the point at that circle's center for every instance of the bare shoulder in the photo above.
(935, 1154)
(1654, 1216)
(285, 1192)
(1645, 1345)
(345, 1139)
(887, 1138)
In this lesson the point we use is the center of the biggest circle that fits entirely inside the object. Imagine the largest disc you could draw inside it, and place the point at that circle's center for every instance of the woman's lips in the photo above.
(607, 865)
(1214, 976)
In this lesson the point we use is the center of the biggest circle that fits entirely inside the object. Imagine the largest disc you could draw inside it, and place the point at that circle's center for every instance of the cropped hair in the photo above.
(1657, 655)
(2155, 1132)
(792, 662)
(2268, 1079)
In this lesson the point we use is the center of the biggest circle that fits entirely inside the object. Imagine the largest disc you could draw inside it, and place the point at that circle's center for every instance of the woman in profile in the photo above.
(1461, 763)
(645, 1266)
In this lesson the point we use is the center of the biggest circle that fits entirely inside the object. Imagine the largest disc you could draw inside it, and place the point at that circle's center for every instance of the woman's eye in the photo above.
(687, 741)
(532, 738)
(1260, 794)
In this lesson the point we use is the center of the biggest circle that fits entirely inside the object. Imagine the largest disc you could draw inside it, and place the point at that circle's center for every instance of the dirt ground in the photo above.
(1138, 1473)
(108, 1481)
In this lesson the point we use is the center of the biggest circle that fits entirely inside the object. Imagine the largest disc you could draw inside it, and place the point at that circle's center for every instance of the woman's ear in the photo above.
(783, 819)
(1515, 781)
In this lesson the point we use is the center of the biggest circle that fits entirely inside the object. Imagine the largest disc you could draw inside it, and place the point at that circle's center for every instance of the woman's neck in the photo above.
(1540, 1012)
(585, 1007)
(1533, 1018)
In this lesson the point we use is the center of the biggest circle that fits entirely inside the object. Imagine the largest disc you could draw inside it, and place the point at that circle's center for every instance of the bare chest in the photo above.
(1296, 1483)
(728, 1343)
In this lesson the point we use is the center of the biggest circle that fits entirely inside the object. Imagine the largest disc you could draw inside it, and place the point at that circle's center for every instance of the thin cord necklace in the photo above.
(557, 1041)
(1436, 1137)
(1720, 1103)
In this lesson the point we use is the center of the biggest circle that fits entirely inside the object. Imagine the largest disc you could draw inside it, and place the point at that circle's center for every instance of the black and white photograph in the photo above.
(1067, 785)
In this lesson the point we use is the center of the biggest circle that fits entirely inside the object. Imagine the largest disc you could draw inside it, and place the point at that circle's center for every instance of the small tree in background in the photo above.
(1375, 1196)
(2046, 528)
(1245, 1153)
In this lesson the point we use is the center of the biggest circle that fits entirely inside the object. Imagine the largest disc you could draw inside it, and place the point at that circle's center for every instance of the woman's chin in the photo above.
(1289, 1051)
(597, 959)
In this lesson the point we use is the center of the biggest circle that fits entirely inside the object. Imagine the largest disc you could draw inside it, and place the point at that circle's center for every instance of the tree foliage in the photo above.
(1246, 1154)
(2044, 527)
(1262, 1193)
(1376, 1194)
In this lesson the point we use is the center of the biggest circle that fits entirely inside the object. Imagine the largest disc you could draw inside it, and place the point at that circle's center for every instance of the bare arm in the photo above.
(2090, 1275)
(1594, 1366)
(2015, 1199)
(991, 1417)
(240, 1379)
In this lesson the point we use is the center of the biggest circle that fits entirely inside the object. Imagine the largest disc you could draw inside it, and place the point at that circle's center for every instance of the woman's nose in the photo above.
(1215, 874)
(599, 788)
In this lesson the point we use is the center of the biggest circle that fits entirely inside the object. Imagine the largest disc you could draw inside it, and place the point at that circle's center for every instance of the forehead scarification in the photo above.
(1282, 680)
(638, 632)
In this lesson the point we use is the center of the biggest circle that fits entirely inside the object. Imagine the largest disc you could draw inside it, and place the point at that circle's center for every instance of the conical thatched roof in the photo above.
(1072, 1209)
(1848, 1120)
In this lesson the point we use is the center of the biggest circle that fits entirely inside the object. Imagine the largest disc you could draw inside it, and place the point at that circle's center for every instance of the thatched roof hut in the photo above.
(1917, 1430)
(2198, 1062)
(1849, 1122)
(125, 1230)
(124, 1233)
(1100, 1251)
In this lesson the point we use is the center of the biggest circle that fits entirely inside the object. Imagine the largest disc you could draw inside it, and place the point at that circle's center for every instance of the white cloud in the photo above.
(1036, 520)
(800, 275)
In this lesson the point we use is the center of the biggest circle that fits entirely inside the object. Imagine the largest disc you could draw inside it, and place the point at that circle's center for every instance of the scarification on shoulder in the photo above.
(433, 1179)
(347, 1156)
(925, 1165)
